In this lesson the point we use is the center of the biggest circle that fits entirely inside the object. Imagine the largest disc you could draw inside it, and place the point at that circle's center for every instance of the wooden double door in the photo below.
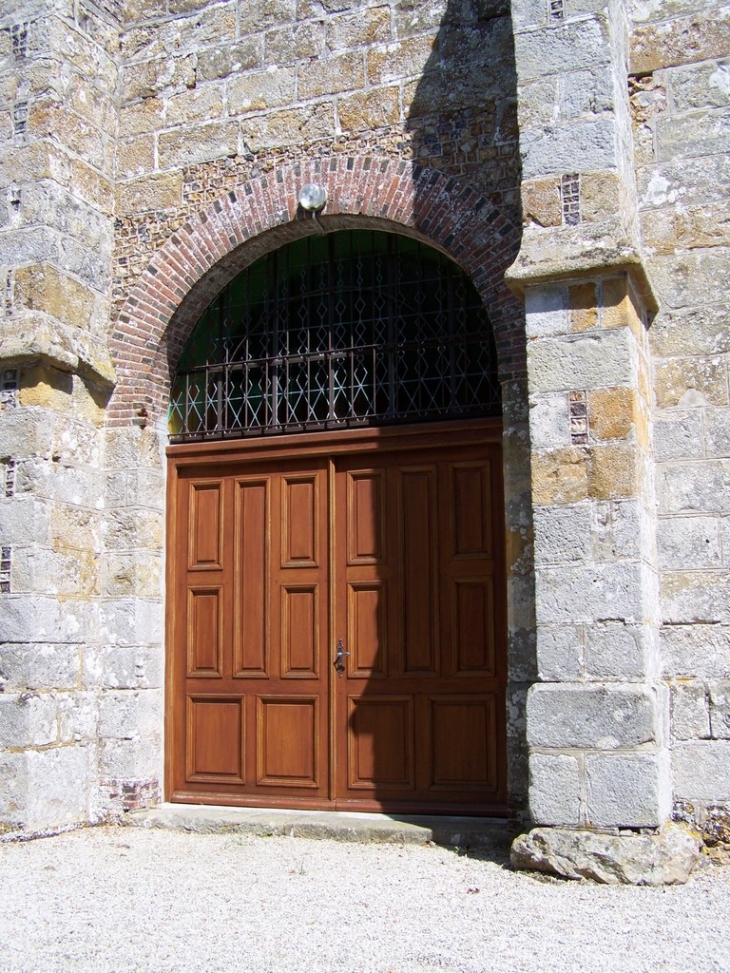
(337, 622)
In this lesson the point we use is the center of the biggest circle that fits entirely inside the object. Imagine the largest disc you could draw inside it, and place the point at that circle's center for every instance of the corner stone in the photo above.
(664, 858)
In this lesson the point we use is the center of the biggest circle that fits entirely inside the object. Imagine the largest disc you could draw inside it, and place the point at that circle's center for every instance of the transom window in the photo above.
(344, 329)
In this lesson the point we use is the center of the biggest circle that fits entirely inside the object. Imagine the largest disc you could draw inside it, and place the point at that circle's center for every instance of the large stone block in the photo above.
(196, 143)
(628, 790)
(28, 719)
(123, 667)
(717, 433)
(694, 487)
(692, 278)
(554, 789)
(78, 718)
(691, 382)
(58, 786)
(695, 596)
(689, 542)
(217, 63)
(132, 621)
(130, 714)
(564, 47)
(203, 103)
(42, 618)
(356, 28)
(678, 436)
(589, 593)
(547, 311)
(30, 667)
(703, 180)
(615, 651)
(393, 62)
(702, 770)
(696, 650)
(140, 758)
(550, 421)
(690, 712)
(584, 361)
(280, 128)
(560, 652)
(720, 710)
(369, 110)
(556, 149)
(596, 717)
(149, 193)
(666, 858)
(259, 90)
(344, 72)
(680, 40)
(563, 533)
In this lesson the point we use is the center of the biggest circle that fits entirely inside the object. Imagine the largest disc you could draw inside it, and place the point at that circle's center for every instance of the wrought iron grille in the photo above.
(350, 328)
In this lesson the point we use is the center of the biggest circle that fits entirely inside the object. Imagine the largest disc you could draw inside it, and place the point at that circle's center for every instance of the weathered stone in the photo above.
(258, 90)
(701, 770)
(602, 717)
(690, 712)
(361, 112)
(554, 789)
(666, 858)
(689, 542)
(343, 72)
(541, 202)
(197, 144)
(720, 710)
(680, 40)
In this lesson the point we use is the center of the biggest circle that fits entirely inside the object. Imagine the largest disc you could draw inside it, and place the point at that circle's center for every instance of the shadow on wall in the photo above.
(462, 120)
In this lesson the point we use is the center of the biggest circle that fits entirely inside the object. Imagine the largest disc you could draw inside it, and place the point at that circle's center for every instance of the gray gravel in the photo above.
(121, 899)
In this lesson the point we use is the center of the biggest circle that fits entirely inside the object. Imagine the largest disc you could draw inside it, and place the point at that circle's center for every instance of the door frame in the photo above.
(330, 443)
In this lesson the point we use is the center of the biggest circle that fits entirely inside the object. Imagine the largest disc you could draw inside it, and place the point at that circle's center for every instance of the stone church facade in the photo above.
(571, 157)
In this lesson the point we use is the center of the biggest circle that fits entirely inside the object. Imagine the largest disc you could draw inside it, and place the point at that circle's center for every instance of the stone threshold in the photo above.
(455, 832)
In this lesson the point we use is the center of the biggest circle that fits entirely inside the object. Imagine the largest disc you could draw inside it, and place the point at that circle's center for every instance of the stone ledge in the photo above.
(489, 834)
(564, 253)
(39, 338)
(666, 857)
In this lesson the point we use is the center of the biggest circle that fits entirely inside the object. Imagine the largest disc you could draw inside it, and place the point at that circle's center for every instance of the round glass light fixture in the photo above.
(312, 197)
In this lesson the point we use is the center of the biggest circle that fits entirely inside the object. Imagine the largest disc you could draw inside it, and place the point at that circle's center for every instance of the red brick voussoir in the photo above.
(217, 242)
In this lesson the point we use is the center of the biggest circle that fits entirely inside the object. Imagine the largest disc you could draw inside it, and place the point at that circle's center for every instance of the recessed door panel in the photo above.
(288, 741)
(251, 581)
(366, 517)
(206, 521)
(367, 636)
(474, 630)
(380, 752)
(471, 506)
(463, 731)
(300, 522)
(205, 650)
(418, 564)
(300, 631)
(215, 739)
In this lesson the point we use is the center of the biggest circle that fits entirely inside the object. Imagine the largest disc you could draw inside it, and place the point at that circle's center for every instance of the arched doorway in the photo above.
(337, 607)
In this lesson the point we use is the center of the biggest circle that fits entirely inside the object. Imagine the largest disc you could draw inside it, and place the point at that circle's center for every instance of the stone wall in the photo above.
(680, 84)
(152, 149)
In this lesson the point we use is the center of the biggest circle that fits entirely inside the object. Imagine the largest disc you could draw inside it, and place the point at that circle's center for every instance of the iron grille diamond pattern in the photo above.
(355, 327)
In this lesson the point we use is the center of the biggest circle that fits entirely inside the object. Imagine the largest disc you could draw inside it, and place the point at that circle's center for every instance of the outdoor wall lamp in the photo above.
(312, 197)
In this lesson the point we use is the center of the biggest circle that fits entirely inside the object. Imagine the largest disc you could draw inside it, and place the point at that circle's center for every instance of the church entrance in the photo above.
(337, 573)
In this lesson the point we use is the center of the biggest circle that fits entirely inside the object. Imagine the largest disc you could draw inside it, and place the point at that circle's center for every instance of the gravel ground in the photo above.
(117, 900)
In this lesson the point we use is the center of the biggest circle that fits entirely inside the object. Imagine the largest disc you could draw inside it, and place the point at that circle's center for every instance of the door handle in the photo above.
(341, 654)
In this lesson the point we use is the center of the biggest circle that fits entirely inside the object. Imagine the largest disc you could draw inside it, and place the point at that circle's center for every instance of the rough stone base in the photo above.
(664, 858)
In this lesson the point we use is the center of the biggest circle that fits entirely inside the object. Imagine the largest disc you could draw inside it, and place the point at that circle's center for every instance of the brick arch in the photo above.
(218, 241)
